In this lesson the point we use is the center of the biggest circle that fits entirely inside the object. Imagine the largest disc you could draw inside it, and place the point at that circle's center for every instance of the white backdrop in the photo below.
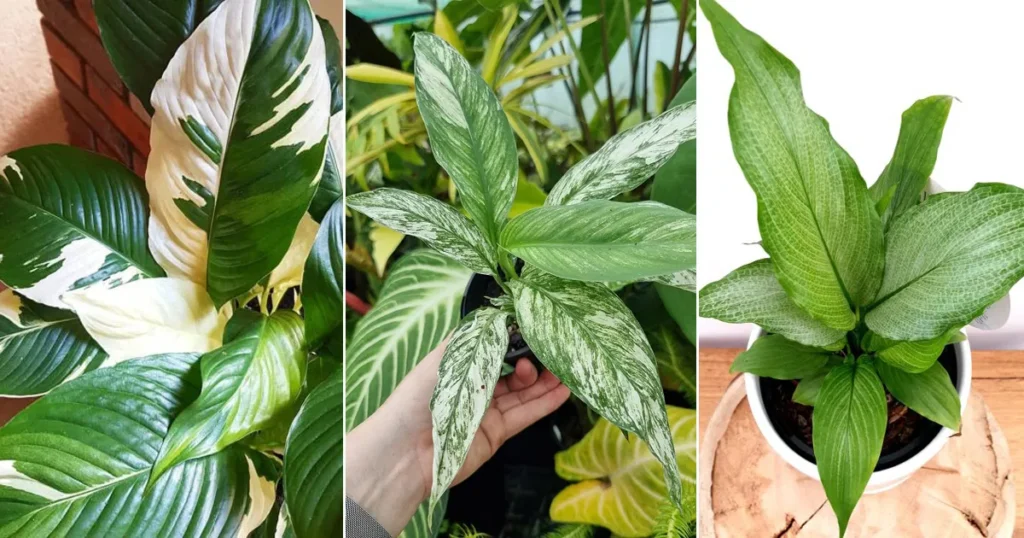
(862, 65)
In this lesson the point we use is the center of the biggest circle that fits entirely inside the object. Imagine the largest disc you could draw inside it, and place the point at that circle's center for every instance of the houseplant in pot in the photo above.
(865, 291)
(575, 325)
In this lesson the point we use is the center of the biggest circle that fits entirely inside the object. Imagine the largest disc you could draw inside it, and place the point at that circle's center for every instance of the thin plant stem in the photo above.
(676, 72)
(570, 82)
(635, 65)
(614, 122)
(647, 54)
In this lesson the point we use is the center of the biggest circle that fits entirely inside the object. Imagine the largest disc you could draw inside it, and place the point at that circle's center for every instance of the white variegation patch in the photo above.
(79, 258)
(12, 478)
(262, 494)
(686, 280)
(5, 163)
(627, 159)
(10, 307)
(288, 273)
(433, 79)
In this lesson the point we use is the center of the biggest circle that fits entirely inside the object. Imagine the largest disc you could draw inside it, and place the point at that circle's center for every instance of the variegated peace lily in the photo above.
(863, 287)
(168, 403)
(577, 327)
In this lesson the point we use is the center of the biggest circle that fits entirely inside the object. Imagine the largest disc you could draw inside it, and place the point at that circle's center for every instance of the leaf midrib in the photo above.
(84, 493)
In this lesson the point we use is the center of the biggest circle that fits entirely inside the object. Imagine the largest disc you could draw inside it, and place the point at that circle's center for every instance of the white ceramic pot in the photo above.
(880, 480)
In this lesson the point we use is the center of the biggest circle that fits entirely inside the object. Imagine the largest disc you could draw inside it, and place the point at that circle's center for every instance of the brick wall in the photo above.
(101, 114)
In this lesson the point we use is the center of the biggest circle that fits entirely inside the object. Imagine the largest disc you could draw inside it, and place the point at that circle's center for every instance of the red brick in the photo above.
(93, 116)
(81, 39)
(139, 164)
(63, 57)
(79, 133)
(84, 9)
(103, 149)
(117, 109)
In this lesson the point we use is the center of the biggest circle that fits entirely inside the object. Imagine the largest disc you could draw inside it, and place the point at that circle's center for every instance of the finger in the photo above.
(519, 417)
(544, 384)
(524, 376)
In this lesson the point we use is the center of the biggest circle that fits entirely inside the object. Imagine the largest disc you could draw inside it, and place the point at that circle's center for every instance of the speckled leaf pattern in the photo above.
(323, 290)
(912, 357)
(684, 280)
(437, 223)
(70, 219)
(849, 418)
(931, 392)
(778, 358)
(620, 486)
(239, 137)
(469, 134)
(933, 249)
(589, 339)
(68, 473)
(469, 370)
(628, 159)
(818, 222)
(245, 384)
(41, 348)
(752, 294)
(602, 241)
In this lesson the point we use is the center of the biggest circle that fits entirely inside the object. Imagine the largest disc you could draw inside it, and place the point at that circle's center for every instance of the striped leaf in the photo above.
(465, 385)
(40, 347)
(603, 241)
(619, 488)
(912, 357)
(437, 223)
(818, 222)
(590, 340)
(69, 473)
(469, 134)
(324, 279)
(850, 416)
(70, 219)
(933, 249)
(931, 392)
(776, 357)
(239, 141)
(628, 159)
(246, 384)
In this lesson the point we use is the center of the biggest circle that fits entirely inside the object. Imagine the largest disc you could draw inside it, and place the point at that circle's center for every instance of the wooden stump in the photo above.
(746, 490)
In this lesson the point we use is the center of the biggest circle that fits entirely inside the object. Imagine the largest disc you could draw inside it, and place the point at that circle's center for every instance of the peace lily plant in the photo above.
(569, 249)
(863, 288)
(166, 404)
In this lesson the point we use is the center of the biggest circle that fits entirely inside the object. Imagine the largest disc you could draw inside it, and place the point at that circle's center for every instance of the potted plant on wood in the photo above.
(860, 371)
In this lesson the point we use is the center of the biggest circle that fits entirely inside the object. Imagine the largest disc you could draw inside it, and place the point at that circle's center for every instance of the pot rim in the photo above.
(878, 478)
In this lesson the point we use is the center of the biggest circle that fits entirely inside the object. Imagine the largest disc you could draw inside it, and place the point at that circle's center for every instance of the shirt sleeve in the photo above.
(359, 524)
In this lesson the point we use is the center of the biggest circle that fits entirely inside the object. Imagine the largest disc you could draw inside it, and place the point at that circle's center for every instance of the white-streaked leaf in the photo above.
(604, 241)
(437, 223)
(776, 357)
(935, 249)
(931, 392)
(589, 339)
(469, 134)
(150, 317)
(239, 138)
(752, 294)
(465, 385)
(324, 279)
(684, 280)
(70, 219)
(628, 159)
(913, 357)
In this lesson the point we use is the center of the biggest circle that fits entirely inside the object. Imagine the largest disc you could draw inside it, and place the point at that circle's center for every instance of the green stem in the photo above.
(507, 266)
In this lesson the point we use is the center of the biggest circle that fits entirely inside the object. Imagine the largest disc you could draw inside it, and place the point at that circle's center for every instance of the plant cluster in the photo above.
(863, 287)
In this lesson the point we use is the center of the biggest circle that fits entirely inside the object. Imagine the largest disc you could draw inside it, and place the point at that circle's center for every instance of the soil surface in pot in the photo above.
(906, 434)
(478, 294)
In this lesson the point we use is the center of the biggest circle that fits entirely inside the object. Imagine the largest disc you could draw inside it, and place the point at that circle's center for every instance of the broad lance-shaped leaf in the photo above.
(935, 248)
(676, 358)
(150, 317)
(75, 463)
(332, 52)
(752, 294)
(313, 462)
(849, 425)
(675, 183)
(776, 357)
(905, 177)
(469, 370)
(913, 357)
(817, 220)
(586, 336)
(931, 392)
(619, 487)
(245, 384)
(684, 280)
(70, 219)
(437, 223)
(329, 190)
(239, 136)
(604, 241)
(628, 159)
(469, 134)
(41, 347)
(324, 279)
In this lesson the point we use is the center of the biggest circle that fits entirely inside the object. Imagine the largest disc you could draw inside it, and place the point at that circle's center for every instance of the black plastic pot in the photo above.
(481, 288)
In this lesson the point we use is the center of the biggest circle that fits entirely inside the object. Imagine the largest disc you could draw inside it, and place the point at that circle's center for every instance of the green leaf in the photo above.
(496, 5)
(40, 347)
(906, 175)
(849, 426)
(752, 294)
(604, 241)
(933, 249)
(465, 385)
(682, 306)
(245, 384)
(776, 357)
(808, 389)
(323, 282)
(618, 20)
(469, 134)
(313, 462)
(69, 473)
(912, 357)
(676, 358)
(332, 50)
(329, 190)
(817, 220)
(628, 159)
(931, 392)
(587, 337)
(239, 138)
(438, 224)
(619, 487)
(70, 219)
(424, 523)
(675, 183)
